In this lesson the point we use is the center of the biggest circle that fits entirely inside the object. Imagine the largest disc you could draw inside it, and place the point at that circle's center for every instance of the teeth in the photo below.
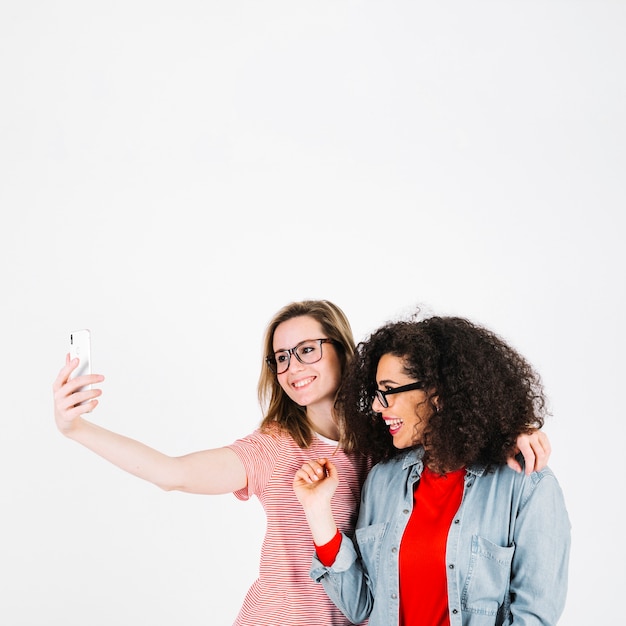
(395, 422)
(301, 383)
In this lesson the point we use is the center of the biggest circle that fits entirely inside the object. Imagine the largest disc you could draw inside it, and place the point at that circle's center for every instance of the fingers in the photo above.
(542, 449)
(68, 407)
(514, 464)
(73, 397)
(71, 385)
(78, 398)
(527, 452)
(64, 372)
(535, 449)
(314, 485)
(313, 470)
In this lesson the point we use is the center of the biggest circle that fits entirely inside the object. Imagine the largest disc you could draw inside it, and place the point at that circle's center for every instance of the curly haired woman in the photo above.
(447, 533)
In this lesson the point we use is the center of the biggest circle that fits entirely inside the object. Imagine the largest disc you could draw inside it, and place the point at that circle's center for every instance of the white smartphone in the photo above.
(80, 346)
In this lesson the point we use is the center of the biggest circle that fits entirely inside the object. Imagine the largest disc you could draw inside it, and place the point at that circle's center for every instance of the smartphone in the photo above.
(80, 347)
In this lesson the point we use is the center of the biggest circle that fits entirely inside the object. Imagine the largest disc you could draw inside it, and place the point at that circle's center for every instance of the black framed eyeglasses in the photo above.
(308, 351)
(381, 396)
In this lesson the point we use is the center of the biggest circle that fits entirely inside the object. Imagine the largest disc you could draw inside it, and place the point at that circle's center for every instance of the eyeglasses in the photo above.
(381, 396)
(307, 352)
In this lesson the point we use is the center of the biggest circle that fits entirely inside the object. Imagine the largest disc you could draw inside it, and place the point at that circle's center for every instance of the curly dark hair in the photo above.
(487, 393)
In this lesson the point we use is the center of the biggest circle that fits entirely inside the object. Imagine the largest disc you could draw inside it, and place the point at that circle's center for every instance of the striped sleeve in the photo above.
(257, 452)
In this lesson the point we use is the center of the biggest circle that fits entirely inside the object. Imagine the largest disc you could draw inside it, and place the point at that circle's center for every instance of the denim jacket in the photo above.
(507, 549)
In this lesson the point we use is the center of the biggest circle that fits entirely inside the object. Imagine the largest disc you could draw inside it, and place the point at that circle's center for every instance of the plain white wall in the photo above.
(173, 173)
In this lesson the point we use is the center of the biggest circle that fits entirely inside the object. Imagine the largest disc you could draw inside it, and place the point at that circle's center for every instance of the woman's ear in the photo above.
(436, 403)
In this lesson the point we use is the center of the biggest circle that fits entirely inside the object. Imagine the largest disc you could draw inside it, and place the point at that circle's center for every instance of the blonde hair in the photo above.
(280, 411)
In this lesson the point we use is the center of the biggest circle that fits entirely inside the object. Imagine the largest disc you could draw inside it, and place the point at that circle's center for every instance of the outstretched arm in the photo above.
(205, 472)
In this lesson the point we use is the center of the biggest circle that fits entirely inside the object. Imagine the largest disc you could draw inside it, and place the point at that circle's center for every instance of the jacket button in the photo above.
(451, 566)
(454, 611)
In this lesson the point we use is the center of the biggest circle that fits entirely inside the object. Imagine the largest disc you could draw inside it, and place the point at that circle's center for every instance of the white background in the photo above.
(171, 173)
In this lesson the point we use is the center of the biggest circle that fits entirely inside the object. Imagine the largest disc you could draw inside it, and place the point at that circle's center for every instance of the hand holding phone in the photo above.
(80, 347)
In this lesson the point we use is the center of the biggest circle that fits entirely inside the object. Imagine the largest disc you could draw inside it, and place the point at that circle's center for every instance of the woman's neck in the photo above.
(322, 421)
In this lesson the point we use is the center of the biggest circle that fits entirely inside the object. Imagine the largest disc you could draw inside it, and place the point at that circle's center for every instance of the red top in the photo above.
(328, 552)
(423, 583)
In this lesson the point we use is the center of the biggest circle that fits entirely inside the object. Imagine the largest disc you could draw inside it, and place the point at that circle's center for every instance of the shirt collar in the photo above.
(415, 456)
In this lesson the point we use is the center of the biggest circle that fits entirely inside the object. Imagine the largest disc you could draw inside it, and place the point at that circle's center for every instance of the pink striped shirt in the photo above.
(284, 594)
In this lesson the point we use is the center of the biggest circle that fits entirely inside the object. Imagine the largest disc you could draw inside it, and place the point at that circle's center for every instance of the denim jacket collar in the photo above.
(415, 456)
